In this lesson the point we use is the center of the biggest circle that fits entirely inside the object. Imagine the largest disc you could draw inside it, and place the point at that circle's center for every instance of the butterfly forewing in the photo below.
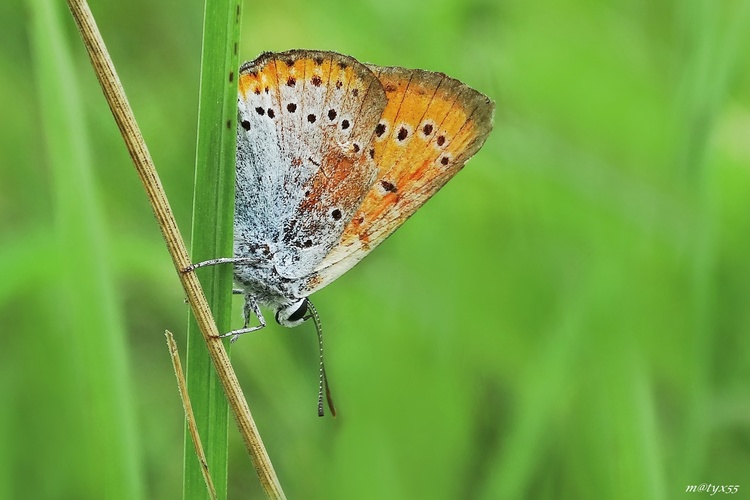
(430, 127)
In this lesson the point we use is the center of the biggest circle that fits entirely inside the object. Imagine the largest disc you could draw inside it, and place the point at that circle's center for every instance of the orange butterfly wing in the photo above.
(431, 125)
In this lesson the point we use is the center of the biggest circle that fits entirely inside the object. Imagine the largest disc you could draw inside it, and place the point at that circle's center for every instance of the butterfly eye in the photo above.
(293, 314)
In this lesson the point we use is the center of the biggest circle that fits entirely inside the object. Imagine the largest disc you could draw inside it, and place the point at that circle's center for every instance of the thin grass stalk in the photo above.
(189, 415)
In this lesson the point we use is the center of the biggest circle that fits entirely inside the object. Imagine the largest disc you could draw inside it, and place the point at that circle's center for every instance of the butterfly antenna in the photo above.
(323, 381)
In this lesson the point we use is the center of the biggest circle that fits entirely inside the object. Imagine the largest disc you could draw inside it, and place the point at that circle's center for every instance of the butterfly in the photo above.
(333, 155)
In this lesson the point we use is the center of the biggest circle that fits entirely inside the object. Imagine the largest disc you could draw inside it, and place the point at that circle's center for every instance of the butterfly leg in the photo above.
(251, 308)
(223, 260)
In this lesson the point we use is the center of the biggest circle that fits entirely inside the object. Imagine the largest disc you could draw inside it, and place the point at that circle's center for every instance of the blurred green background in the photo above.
(568, 318)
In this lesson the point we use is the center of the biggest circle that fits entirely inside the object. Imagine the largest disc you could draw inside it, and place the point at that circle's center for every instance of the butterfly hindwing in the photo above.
(304, 117)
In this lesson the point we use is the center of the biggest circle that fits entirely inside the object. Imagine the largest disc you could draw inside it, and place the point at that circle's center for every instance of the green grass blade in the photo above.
(90, 319)
(213, 206)
(715, 55)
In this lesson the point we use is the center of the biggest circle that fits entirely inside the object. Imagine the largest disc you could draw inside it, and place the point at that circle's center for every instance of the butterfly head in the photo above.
(293, 314)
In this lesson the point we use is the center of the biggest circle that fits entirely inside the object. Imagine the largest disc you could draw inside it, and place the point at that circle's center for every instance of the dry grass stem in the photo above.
(123, 115)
